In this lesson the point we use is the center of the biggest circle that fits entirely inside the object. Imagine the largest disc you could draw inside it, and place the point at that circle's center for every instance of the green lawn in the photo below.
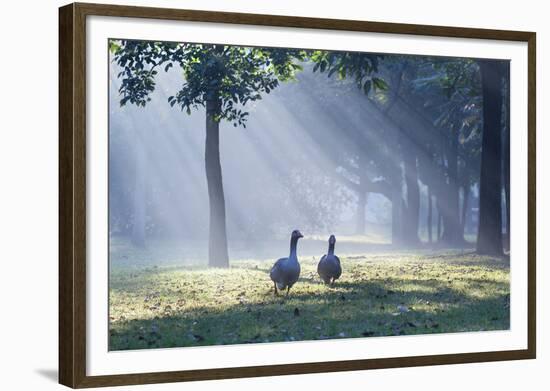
(377, 295)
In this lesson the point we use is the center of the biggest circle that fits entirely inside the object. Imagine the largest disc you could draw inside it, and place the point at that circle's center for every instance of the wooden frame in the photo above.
(72, 190)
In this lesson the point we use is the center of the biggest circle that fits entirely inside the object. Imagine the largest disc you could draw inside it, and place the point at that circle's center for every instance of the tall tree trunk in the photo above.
(439, 220)
(451, 217)
(395, 178)
(465, 206)
(396, 215)
(489, 238)
(139, 206)
(410, 222)
(429, 217)
(217, 247)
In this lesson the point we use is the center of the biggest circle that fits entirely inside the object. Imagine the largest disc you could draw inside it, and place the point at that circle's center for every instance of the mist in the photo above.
(317, 154)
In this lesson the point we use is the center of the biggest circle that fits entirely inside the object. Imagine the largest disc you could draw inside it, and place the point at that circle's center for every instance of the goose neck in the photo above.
(293, 245)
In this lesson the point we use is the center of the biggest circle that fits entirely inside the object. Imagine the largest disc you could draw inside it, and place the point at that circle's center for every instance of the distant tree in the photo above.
(402, 136)
(429, 111)
(360, 69)
(220, 78)
(447, 94)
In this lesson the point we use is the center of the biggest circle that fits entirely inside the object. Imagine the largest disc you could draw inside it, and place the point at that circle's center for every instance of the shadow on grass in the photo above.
(348, 310)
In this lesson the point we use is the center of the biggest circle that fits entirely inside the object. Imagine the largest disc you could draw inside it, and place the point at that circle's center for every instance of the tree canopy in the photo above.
(236, 75)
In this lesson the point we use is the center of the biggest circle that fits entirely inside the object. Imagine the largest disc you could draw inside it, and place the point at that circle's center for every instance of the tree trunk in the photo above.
(396, 215)
(410, 222)
(217, 247)
(139, 209)
(465, 206)
(395, 178)
(489, 238)
(451, 217)
(429, 218)
(439, 220)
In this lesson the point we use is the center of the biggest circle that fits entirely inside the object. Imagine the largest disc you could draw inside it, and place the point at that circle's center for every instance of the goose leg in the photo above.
(287, 290)
(275, 286)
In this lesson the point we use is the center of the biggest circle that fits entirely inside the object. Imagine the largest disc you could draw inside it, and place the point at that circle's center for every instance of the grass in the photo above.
(377, 295)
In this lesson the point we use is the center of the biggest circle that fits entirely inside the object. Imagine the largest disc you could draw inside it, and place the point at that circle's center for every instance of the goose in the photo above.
(286, 271)
(329, 267)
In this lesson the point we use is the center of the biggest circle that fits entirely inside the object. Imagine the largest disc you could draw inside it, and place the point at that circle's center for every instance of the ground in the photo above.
(379, 294)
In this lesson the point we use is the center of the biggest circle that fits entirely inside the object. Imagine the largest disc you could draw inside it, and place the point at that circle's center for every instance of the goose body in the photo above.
(329, 267)
(286, 271)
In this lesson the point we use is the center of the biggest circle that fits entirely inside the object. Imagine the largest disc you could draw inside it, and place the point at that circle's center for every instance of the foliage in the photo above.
(356, 65)
(234, 75)
(458, 80)
(451, 92)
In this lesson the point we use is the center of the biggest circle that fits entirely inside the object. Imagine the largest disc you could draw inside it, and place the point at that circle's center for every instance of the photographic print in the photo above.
(261, 194)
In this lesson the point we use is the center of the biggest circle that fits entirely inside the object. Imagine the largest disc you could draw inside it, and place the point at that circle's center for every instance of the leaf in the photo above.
(402, 308)
(367, 87)
(379, 84)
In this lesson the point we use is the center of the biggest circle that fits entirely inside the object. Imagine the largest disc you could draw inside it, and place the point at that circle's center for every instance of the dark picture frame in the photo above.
(72, 193)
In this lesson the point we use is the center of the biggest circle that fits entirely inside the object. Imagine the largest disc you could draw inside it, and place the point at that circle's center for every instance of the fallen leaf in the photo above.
(198, 338)
(402, 308)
